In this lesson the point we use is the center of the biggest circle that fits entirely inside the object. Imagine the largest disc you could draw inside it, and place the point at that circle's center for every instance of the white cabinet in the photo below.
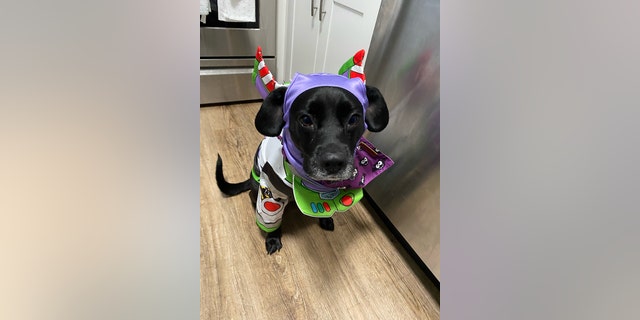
(323, 34)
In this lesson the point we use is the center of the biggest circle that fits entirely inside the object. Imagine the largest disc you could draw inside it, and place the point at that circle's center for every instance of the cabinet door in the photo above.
(324, 41)
(304, 37)
(346, 27)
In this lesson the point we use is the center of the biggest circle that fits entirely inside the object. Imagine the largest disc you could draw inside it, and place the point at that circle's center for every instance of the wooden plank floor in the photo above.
(357, 271)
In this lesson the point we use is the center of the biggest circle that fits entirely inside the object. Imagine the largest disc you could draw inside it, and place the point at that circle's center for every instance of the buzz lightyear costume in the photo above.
(278, 162)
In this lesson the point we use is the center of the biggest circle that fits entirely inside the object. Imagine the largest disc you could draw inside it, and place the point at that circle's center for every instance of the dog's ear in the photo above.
(269, 120)
(377, 116)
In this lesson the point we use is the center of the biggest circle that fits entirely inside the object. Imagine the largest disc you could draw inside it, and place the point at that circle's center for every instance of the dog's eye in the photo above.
(353, 120)
(306, 121)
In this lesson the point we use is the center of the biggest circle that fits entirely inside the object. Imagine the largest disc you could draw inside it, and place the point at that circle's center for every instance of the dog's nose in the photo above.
(332, 162)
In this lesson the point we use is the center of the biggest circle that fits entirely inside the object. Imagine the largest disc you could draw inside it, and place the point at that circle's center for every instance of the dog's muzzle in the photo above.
(332, 163)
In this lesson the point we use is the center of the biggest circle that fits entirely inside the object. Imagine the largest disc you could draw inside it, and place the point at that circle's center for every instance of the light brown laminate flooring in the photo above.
(358, 271)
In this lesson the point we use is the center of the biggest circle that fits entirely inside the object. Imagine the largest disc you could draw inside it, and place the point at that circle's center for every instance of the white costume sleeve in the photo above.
(269, 205)
(271, 201)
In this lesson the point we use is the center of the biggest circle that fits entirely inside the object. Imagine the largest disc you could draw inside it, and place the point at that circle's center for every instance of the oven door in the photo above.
(227, 51)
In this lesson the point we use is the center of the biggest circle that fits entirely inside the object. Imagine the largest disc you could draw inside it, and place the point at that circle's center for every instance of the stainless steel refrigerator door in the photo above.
(404, 63)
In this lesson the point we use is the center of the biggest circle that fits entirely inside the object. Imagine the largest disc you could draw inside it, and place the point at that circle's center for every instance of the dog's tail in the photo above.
(230, 189)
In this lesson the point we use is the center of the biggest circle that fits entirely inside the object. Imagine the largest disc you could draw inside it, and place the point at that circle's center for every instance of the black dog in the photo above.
(325, 124)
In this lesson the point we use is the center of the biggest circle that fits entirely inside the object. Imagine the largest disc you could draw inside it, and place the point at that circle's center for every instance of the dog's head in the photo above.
(323, 122)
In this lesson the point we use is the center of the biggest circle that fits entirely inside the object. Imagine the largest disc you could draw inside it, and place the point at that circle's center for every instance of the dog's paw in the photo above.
(273, 245)
(327, 224)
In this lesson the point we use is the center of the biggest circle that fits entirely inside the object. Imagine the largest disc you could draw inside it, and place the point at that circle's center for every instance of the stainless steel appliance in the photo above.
(227, 51)
(404, 63)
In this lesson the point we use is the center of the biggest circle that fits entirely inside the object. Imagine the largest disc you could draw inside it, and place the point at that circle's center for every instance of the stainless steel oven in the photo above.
(227, 51)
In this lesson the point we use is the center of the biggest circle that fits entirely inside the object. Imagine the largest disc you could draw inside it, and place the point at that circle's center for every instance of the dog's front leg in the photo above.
(273, 241)
(326, 223)
(270, 204)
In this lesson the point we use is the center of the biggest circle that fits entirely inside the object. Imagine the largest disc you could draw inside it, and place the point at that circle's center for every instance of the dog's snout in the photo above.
(332, 162)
